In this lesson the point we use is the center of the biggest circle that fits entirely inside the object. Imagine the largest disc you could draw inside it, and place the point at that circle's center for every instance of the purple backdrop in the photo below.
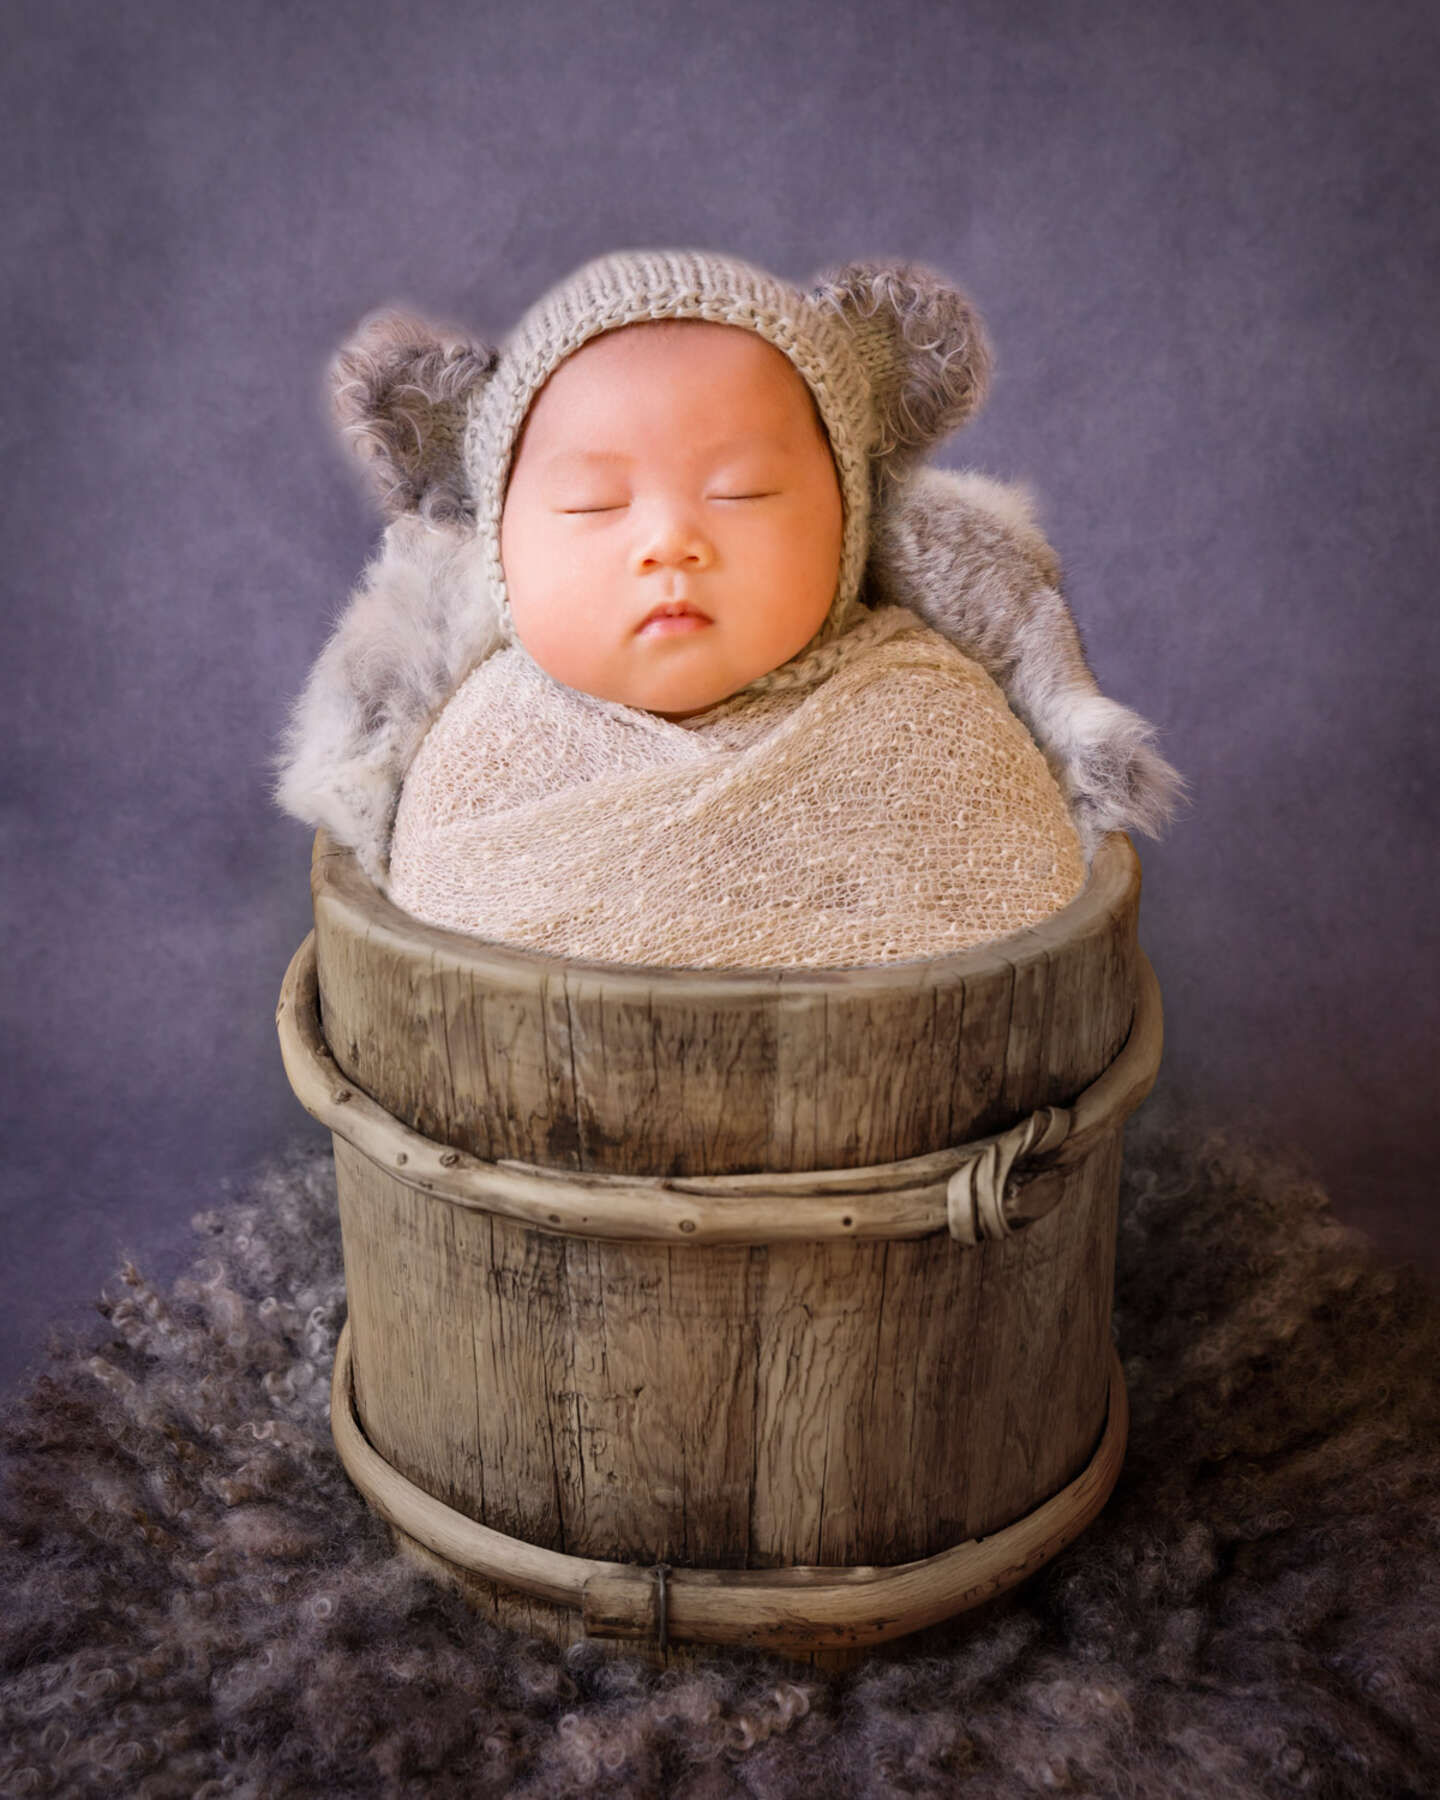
(1206, 240)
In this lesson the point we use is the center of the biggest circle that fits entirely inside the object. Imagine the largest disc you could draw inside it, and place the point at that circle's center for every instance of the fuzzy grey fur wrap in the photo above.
(960, 550)
(198, 1604)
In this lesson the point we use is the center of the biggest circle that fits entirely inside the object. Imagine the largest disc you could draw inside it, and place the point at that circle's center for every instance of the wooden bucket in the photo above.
(698, 1308)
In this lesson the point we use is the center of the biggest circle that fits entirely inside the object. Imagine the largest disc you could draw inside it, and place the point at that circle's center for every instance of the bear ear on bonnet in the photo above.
(924, 347)
(399, 391)
(401, 387)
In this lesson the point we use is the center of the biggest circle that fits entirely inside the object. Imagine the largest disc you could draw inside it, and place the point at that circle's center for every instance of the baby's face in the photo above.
(680, 462)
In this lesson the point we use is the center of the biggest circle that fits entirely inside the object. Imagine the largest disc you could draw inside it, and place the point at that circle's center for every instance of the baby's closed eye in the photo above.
(620, 505)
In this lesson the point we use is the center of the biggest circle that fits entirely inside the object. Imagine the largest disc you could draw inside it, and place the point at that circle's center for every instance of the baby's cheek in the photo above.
(546, 628)
(557, 625)
(547, 565)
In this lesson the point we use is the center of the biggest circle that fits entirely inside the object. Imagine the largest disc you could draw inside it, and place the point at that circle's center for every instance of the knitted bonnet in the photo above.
(853, 351)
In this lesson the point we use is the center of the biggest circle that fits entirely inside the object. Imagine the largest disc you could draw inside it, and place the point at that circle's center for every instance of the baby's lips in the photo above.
(674, 610)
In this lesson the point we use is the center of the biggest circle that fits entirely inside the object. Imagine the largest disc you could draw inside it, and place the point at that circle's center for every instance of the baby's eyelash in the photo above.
(582, 511)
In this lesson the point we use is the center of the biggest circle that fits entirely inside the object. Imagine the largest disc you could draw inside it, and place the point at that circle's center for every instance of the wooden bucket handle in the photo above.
(806, 1607)
(986, 1188)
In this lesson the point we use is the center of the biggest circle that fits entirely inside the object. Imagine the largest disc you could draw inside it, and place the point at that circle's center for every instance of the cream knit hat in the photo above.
(627, 287)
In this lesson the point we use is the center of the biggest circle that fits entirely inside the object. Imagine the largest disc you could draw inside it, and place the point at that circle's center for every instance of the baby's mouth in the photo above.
(671, 617)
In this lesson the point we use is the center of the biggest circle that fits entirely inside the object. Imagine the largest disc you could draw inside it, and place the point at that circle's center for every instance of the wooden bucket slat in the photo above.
(903, 1199)
(653, 1265)
(794, 1608)
(510, 1054)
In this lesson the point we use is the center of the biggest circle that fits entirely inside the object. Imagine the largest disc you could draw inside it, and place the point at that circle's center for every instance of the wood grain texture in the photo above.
(511, 1053)
(732, 1406)
(799, 1609)
(724, 1405)
(911, 1198)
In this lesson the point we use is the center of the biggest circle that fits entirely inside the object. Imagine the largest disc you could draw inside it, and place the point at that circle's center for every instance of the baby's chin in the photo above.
(662, 685)
(677, 700)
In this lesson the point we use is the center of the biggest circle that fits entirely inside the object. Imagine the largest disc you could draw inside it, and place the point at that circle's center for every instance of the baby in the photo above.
(686, 739)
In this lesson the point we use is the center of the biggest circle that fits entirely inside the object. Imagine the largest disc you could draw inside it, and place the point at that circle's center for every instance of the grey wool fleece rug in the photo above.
(197, 1603)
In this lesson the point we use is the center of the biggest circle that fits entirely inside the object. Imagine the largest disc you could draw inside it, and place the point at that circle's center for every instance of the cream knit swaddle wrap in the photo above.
(882, 805)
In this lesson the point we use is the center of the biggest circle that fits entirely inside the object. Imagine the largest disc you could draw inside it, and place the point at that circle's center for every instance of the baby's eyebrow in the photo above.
(562, 459)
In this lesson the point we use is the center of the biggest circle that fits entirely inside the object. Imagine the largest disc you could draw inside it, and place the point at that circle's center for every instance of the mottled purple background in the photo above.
(1207, 242)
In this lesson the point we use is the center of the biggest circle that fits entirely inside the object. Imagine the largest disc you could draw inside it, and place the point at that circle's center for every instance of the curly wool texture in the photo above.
(883, 804)
(198, 1603)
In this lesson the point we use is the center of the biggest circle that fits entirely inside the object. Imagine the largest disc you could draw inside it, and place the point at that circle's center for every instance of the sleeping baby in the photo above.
(693, 707)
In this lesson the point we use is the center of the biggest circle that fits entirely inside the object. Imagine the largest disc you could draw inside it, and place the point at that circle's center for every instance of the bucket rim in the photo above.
(338, 882)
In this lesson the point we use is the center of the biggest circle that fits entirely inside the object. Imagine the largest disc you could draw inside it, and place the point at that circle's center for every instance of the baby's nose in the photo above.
(673, 537)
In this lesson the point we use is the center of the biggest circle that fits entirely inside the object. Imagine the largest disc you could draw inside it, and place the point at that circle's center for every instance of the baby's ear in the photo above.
(924, 347)
(400, 394)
